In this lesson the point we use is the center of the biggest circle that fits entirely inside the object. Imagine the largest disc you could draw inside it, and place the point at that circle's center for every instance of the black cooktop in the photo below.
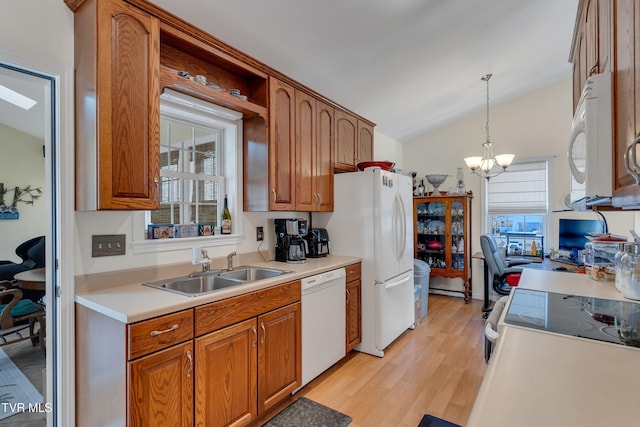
(599, 319)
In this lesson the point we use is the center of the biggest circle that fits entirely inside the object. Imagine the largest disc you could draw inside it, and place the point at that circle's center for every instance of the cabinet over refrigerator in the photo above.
(372, 219)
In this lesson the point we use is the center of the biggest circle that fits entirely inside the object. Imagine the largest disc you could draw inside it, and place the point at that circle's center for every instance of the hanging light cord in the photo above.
(486, 79)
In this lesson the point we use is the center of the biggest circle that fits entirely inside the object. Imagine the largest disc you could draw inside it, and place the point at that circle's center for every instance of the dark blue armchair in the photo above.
(32, 254)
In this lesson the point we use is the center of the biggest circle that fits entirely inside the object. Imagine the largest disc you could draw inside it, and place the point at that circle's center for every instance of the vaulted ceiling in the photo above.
(410, 66)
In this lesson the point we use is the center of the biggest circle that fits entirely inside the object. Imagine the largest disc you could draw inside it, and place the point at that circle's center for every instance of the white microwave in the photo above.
(590, 144)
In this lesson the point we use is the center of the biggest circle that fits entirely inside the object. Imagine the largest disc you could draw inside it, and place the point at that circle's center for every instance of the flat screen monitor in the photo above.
(573, 232)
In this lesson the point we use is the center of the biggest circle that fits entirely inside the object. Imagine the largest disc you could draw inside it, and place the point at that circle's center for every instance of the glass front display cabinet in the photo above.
(442, 236)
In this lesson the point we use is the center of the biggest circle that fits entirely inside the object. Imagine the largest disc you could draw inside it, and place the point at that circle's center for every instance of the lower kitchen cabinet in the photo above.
(247, 368)
(227, 376)
(161, 388)
(354, 306)
(225, 363)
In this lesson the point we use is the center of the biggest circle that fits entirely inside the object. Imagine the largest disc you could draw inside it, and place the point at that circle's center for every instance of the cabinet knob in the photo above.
(264, 332)
(275, 199)
(255, 334)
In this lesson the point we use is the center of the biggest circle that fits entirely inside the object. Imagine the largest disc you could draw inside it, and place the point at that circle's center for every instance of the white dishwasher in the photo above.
(323, 322)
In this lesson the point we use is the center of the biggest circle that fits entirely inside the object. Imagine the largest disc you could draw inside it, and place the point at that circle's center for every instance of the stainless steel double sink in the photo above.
(210, 281)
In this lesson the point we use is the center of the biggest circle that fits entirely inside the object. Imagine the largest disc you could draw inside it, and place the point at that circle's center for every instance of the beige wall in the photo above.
(532, 126)
(21, 164)
(386, 148)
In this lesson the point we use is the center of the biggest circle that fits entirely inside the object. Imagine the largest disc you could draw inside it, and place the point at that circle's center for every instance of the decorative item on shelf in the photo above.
(420, 190)
(214, 86)
(199, 78)
(489, 165)
(436, 179)
(184, 74)
(235, 92)
(160, 231)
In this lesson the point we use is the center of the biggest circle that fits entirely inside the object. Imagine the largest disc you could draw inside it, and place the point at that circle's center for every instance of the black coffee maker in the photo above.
(291, 245)
(317, 243)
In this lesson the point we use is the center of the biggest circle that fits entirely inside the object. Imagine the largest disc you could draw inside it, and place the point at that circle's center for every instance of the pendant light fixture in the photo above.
(488, 165)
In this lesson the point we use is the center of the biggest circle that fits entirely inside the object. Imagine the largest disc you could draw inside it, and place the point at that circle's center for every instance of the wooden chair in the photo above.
(17, 315)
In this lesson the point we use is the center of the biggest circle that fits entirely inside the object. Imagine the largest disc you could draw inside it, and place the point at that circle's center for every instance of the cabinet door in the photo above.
(161, 388)
(626, 94)
(226, 376)
(346, 140)
(365, 143)
(281, 146)
(354, 316)
(279, 355)
(305, 115)
(128, 98)
(324, 157)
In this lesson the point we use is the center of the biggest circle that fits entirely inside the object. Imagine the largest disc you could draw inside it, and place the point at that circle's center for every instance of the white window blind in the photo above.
(522, 189)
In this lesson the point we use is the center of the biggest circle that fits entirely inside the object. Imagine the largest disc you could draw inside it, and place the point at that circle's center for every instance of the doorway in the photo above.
(28, 172)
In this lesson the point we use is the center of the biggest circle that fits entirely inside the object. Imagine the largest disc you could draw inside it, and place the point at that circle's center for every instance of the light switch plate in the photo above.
(108, 245)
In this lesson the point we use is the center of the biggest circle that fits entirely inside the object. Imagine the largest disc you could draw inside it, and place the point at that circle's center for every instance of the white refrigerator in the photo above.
(373, 219)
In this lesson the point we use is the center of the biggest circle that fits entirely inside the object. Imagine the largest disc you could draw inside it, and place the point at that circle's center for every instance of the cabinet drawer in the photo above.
(353, 272)
(219, 314)
(155, 334)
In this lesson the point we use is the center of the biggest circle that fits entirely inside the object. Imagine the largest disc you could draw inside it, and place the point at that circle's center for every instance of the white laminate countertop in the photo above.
(135, 302)
(537, 378)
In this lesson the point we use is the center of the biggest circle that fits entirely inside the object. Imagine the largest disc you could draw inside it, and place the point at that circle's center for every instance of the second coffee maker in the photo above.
(290, 243)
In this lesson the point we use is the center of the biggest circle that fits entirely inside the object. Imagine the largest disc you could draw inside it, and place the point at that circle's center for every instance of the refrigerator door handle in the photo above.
(403, 217)
(397, 224)
(397, 283)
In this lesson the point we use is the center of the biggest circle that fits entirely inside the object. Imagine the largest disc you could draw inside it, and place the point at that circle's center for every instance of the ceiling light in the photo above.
(16, 98)
(488, 165)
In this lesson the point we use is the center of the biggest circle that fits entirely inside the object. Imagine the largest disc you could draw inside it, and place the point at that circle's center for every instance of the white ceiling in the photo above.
(31, 121)
(409, 66)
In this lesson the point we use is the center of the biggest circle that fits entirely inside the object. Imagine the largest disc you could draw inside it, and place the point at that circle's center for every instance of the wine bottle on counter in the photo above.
(226, 218)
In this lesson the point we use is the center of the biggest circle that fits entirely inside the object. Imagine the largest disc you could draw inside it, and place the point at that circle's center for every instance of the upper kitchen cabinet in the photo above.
(282, 146)
(117, 59)
(592, 43)
(314, 164)
(354, 142)
(298, 160)
(626, 104)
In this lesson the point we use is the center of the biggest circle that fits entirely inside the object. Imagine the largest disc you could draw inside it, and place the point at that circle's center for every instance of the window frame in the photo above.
(195, 111)
(546, 215)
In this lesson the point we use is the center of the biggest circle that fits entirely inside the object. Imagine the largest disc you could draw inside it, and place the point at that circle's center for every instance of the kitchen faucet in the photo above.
(206, 262)
(230, 260)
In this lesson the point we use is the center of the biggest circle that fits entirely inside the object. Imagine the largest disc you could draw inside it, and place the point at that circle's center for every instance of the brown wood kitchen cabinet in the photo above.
(354, 306)
(172, 369)
(117, 60)
(300, 143)
(354, 142)
(592, 43)
(252, 363)
(626, 98)
(282, 157)
(314, 163)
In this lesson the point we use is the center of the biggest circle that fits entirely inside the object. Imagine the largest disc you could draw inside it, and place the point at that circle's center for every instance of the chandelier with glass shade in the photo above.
(488, 165)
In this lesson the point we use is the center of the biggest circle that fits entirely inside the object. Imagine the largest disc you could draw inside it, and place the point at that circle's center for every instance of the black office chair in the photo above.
(32, 253)
(504, 274)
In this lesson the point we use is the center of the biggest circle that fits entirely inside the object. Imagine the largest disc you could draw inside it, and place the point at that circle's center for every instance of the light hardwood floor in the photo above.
(436, 368)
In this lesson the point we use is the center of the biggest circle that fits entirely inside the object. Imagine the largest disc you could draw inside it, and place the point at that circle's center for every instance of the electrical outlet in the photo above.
(259, 234)
(108, 245)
